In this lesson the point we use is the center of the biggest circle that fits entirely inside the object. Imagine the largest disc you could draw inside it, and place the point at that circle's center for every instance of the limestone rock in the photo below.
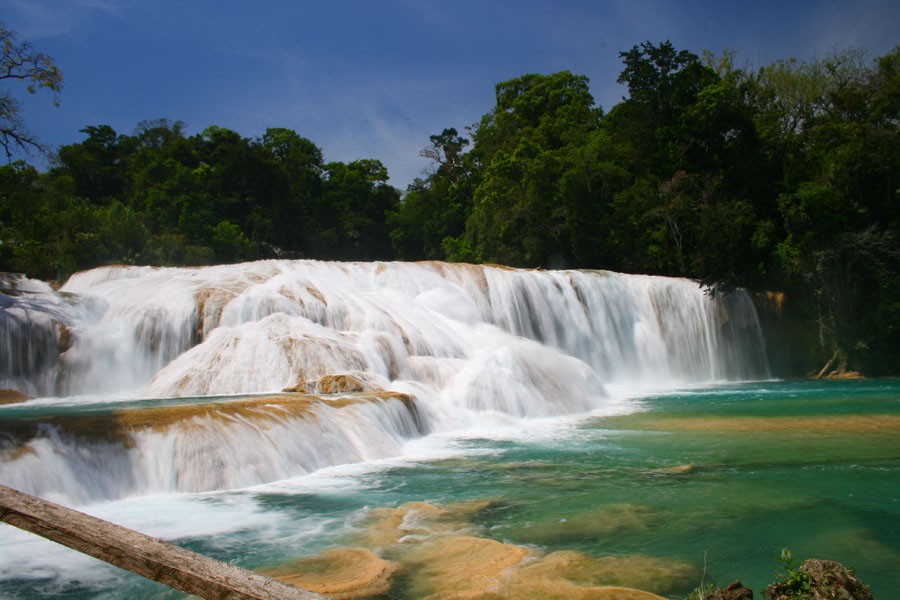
(343, 574)
(735, 591)
(569, 574)
(829, 580)
(463, 568)
(335, 384)
(13, 397)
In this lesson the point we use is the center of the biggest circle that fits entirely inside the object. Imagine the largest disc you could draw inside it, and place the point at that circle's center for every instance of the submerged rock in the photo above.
(456, 568)
(604, 521)
(344, 574)
(445, 558)
(568, 574)
(416, 522)
(676, 470)
(470, 568)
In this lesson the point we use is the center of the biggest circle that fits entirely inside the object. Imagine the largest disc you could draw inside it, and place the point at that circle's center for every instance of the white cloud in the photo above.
(37, 19)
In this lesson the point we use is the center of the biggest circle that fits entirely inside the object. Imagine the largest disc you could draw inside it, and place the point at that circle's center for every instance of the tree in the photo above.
(21, 62)
(437, 207)
(524, 147)
(663, 80)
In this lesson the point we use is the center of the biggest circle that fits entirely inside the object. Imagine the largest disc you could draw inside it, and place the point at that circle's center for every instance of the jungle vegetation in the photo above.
(778, 177)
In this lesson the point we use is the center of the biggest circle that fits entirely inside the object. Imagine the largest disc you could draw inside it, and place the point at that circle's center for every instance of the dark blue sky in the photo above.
(375, 78)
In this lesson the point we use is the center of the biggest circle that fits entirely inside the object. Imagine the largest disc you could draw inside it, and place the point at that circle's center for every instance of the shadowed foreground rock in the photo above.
(828, 580)
(735, 591)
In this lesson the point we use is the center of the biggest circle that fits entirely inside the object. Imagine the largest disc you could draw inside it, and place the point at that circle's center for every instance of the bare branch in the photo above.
(21, 62)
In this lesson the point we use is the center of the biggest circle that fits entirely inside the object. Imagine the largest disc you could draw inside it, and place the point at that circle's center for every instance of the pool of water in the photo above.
(714, 481)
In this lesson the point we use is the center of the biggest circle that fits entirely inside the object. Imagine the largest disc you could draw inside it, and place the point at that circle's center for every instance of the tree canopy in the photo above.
(782, 177)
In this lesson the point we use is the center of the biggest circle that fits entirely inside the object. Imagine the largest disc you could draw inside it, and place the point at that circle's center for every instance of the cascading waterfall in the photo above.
(455, 344)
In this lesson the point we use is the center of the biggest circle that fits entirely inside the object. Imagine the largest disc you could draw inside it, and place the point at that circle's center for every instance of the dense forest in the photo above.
(778, 177)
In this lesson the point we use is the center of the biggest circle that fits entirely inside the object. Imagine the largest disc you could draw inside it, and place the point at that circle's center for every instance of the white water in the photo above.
(476, 346)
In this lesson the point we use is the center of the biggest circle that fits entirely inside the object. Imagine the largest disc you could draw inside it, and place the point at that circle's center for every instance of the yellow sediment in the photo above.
(315, 293)
(445, 559)
(210, 303)
(462, 568)
(291, 294)
(844, 375)
(343, 574)
(468, 508)
(469, 568)
(604, 521)
(116, 426)
(8, 396)
(334, 384)
(21, 451)
(860, 547)
(454, 272)
(676, 470)
(544, 590)
(412, 522)
(581, 572)
(842, 424)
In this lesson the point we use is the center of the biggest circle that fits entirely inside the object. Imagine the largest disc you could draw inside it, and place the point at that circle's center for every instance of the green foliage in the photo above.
(159, 197)
(702, 592)
(526, 201)
(782, 177)
(797, 584)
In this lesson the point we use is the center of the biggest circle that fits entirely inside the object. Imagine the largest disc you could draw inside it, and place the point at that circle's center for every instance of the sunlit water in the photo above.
(724, 476)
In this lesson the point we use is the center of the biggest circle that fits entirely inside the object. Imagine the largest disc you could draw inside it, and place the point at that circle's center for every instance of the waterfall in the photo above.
(200, 447)
(461, 344)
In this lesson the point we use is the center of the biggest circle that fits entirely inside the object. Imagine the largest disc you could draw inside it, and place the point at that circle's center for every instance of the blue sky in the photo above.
(373, 79)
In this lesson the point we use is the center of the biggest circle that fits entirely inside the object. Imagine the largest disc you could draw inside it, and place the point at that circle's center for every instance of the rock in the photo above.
(13, 397)
(343, 574)
(602, 521)
(575, 575)
(335, 384)
(841, 374)
(828, 580)
(735, 591)
(63, 338)
(462, 568)
(412, 522)
(676, 470)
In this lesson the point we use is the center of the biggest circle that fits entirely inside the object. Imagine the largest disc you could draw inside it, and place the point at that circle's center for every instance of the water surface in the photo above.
(723, 476)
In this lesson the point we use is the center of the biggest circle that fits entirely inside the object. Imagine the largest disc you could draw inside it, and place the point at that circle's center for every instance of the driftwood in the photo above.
(827, 367)
(139, 553)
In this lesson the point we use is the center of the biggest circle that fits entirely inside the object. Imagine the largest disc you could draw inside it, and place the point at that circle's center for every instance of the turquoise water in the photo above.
(724, 476)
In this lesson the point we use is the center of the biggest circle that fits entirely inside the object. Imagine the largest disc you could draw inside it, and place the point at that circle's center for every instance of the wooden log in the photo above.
(827, 367)
(139, 553)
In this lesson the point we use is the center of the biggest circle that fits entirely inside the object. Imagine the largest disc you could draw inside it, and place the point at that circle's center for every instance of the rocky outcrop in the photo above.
(837, 374)
(735, 591)
(9, 396)
(336, 384)
(820, 580)
(342, 574)
(445, 557)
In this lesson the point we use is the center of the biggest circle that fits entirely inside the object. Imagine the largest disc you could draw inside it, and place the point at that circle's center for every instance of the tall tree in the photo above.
(435, 208)
(523, 147)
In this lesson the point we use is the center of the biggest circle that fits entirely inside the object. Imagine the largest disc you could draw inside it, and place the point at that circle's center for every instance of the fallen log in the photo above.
(827, 367)
(139, 553)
